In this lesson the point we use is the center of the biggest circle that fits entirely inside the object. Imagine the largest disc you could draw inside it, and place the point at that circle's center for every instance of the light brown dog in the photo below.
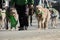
(43, 18)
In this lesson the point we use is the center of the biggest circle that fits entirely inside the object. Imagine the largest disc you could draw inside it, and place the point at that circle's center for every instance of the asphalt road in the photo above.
(33, 33)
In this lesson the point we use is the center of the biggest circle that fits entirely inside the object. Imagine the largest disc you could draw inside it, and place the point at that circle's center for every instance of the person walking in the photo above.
(21, 7)
(31, 10)
(46, 5)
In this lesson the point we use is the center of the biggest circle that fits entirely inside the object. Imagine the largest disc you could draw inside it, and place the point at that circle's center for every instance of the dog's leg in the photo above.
(55, 22)
(43, 20)
(46, 24)
(3, 22)
(39, 25)
(3, 18)
(0, 26)
(9, 26)
(18, 24)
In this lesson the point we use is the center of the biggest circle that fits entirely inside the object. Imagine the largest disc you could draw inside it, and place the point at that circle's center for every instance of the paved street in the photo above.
(33, 33)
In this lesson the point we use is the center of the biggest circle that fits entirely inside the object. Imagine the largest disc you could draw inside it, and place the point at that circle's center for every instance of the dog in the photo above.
(43, 17)
(14, 13)
(54, 17)
(2, 19)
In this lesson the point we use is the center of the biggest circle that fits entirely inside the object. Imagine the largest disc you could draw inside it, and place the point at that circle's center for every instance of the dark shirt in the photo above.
(36, 2)
(0, 3)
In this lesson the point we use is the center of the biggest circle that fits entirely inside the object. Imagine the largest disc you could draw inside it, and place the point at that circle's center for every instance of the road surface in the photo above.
(33, 33)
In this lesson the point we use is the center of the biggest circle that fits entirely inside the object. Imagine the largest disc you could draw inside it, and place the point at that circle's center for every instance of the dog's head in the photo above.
(13, 11)
(39, 10)
(39, 7)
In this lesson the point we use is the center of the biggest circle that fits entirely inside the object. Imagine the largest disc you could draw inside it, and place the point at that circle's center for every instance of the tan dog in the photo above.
(43, 18)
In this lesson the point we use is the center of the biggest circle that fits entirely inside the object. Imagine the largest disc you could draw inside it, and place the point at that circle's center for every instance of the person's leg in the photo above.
(31, 14)
(25, 17)
(26, 22)
(21, 13)
(7, 19)
(21, 23)
(6, 23)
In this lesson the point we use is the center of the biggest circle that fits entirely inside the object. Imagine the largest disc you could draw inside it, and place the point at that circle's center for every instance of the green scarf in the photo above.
(39, 12)
(12, 19)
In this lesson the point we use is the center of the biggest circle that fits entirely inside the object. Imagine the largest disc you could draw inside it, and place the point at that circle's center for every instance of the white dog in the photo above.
(2, 20)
